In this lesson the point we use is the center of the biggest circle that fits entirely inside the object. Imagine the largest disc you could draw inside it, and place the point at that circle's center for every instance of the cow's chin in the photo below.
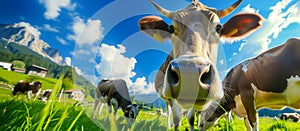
(198, 104)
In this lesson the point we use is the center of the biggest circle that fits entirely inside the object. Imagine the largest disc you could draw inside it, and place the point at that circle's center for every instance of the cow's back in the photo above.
(275, 76)
(104, 87)
(21, 87)
(121, 89)
(270, 70)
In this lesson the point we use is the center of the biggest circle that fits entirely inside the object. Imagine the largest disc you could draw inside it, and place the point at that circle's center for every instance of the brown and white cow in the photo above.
(32, 88)
(270, 80)
(115, 93)
(189, 75)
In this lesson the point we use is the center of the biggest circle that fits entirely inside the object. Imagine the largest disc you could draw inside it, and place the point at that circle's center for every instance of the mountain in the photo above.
(24, 34)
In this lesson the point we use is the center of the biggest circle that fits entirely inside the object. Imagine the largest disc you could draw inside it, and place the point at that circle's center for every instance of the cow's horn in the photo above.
(163, 11)
(224, 12)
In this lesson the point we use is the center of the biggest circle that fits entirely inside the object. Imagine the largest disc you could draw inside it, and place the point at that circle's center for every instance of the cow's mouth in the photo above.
(188, 103)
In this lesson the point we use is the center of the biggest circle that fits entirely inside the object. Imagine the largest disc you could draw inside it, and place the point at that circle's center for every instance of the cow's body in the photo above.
(115, 93)
(189, 78)
(270, 80)
(32, 88)
(293, 116)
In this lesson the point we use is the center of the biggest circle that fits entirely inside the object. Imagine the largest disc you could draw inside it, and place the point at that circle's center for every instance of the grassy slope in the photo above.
(21, 114)
(13, 77)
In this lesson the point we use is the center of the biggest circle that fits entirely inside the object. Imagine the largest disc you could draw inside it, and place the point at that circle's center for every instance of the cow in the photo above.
(32, 88)
(46, 95)
(115, 93)
(188, 78)
(269, 80)
(293, 116)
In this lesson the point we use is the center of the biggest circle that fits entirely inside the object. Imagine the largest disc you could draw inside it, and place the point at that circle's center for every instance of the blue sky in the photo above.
(101, 37)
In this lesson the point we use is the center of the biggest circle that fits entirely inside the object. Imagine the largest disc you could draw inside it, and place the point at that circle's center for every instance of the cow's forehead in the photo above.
(196, 10)
(205, 17)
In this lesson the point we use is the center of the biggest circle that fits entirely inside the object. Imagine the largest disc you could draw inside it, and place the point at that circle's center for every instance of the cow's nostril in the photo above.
(173, 75)
(206, 77)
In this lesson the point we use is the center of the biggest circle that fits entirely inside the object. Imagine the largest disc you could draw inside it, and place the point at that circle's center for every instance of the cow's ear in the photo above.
(241, 25)
(156, 28)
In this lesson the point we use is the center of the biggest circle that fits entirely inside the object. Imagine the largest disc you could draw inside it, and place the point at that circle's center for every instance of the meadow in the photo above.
(19, 113)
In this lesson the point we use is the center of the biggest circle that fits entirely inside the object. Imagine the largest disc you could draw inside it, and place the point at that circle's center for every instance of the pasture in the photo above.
(19, 113)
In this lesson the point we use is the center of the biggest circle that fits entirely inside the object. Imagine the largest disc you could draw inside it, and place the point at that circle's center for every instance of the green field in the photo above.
(19, 113)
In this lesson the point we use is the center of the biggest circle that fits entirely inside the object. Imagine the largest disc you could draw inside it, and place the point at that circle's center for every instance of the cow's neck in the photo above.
(227, 102)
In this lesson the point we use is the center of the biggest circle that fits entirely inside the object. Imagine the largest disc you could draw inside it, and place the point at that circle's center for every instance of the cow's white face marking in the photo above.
(290, 97)
(245, 66)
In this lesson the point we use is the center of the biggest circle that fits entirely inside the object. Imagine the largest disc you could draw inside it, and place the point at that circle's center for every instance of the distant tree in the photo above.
(18, 64)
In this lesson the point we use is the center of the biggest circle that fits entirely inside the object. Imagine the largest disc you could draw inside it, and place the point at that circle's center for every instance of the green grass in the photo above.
(19, 113)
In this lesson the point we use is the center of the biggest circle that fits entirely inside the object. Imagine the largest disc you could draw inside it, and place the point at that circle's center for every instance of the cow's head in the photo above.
(191, 77)
(131, 112)
(36, 86)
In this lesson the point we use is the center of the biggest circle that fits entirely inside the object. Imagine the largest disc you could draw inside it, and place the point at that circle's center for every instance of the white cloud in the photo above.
(60, 40)
(53, 7)
(222, 62)
(279, 19)
(140, 86)
(68, 61)
(248, 9)
(114, 64)
(86, 32)
(47, 27)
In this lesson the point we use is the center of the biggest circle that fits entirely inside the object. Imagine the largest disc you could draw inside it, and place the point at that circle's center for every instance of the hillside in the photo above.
(13, 51)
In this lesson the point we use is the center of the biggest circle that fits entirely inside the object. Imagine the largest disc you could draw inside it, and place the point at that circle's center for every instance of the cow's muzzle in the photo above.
(192, 80)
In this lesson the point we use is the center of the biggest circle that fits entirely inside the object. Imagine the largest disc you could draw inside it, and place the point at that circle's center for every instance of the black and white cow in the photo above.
(115, 93)
(32, 88)
(46, 95)
(270, 80)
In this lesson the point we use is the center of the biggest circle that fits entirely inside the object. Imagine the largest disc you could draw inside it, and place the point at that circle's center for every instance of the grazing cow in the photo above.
(115, 92)
(32, 88)
(189, 75)
(270, 80)
(293, 116)
(46, 95)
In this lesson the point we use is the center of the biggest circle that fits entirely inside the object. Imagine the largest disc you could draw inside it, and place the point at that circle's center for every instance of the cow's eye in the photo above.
(218, 28)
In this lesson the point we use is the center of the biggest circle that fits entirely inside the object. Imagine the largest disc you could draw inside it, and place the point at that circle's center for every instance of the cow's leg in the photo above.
(37, 94)
(96, 104)
(248, 102)
(109, 111)
(176, 114)
(191, 118)
(116, 107)
(247, 124)
(168, 114)
(29, 93)
(101, 105)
